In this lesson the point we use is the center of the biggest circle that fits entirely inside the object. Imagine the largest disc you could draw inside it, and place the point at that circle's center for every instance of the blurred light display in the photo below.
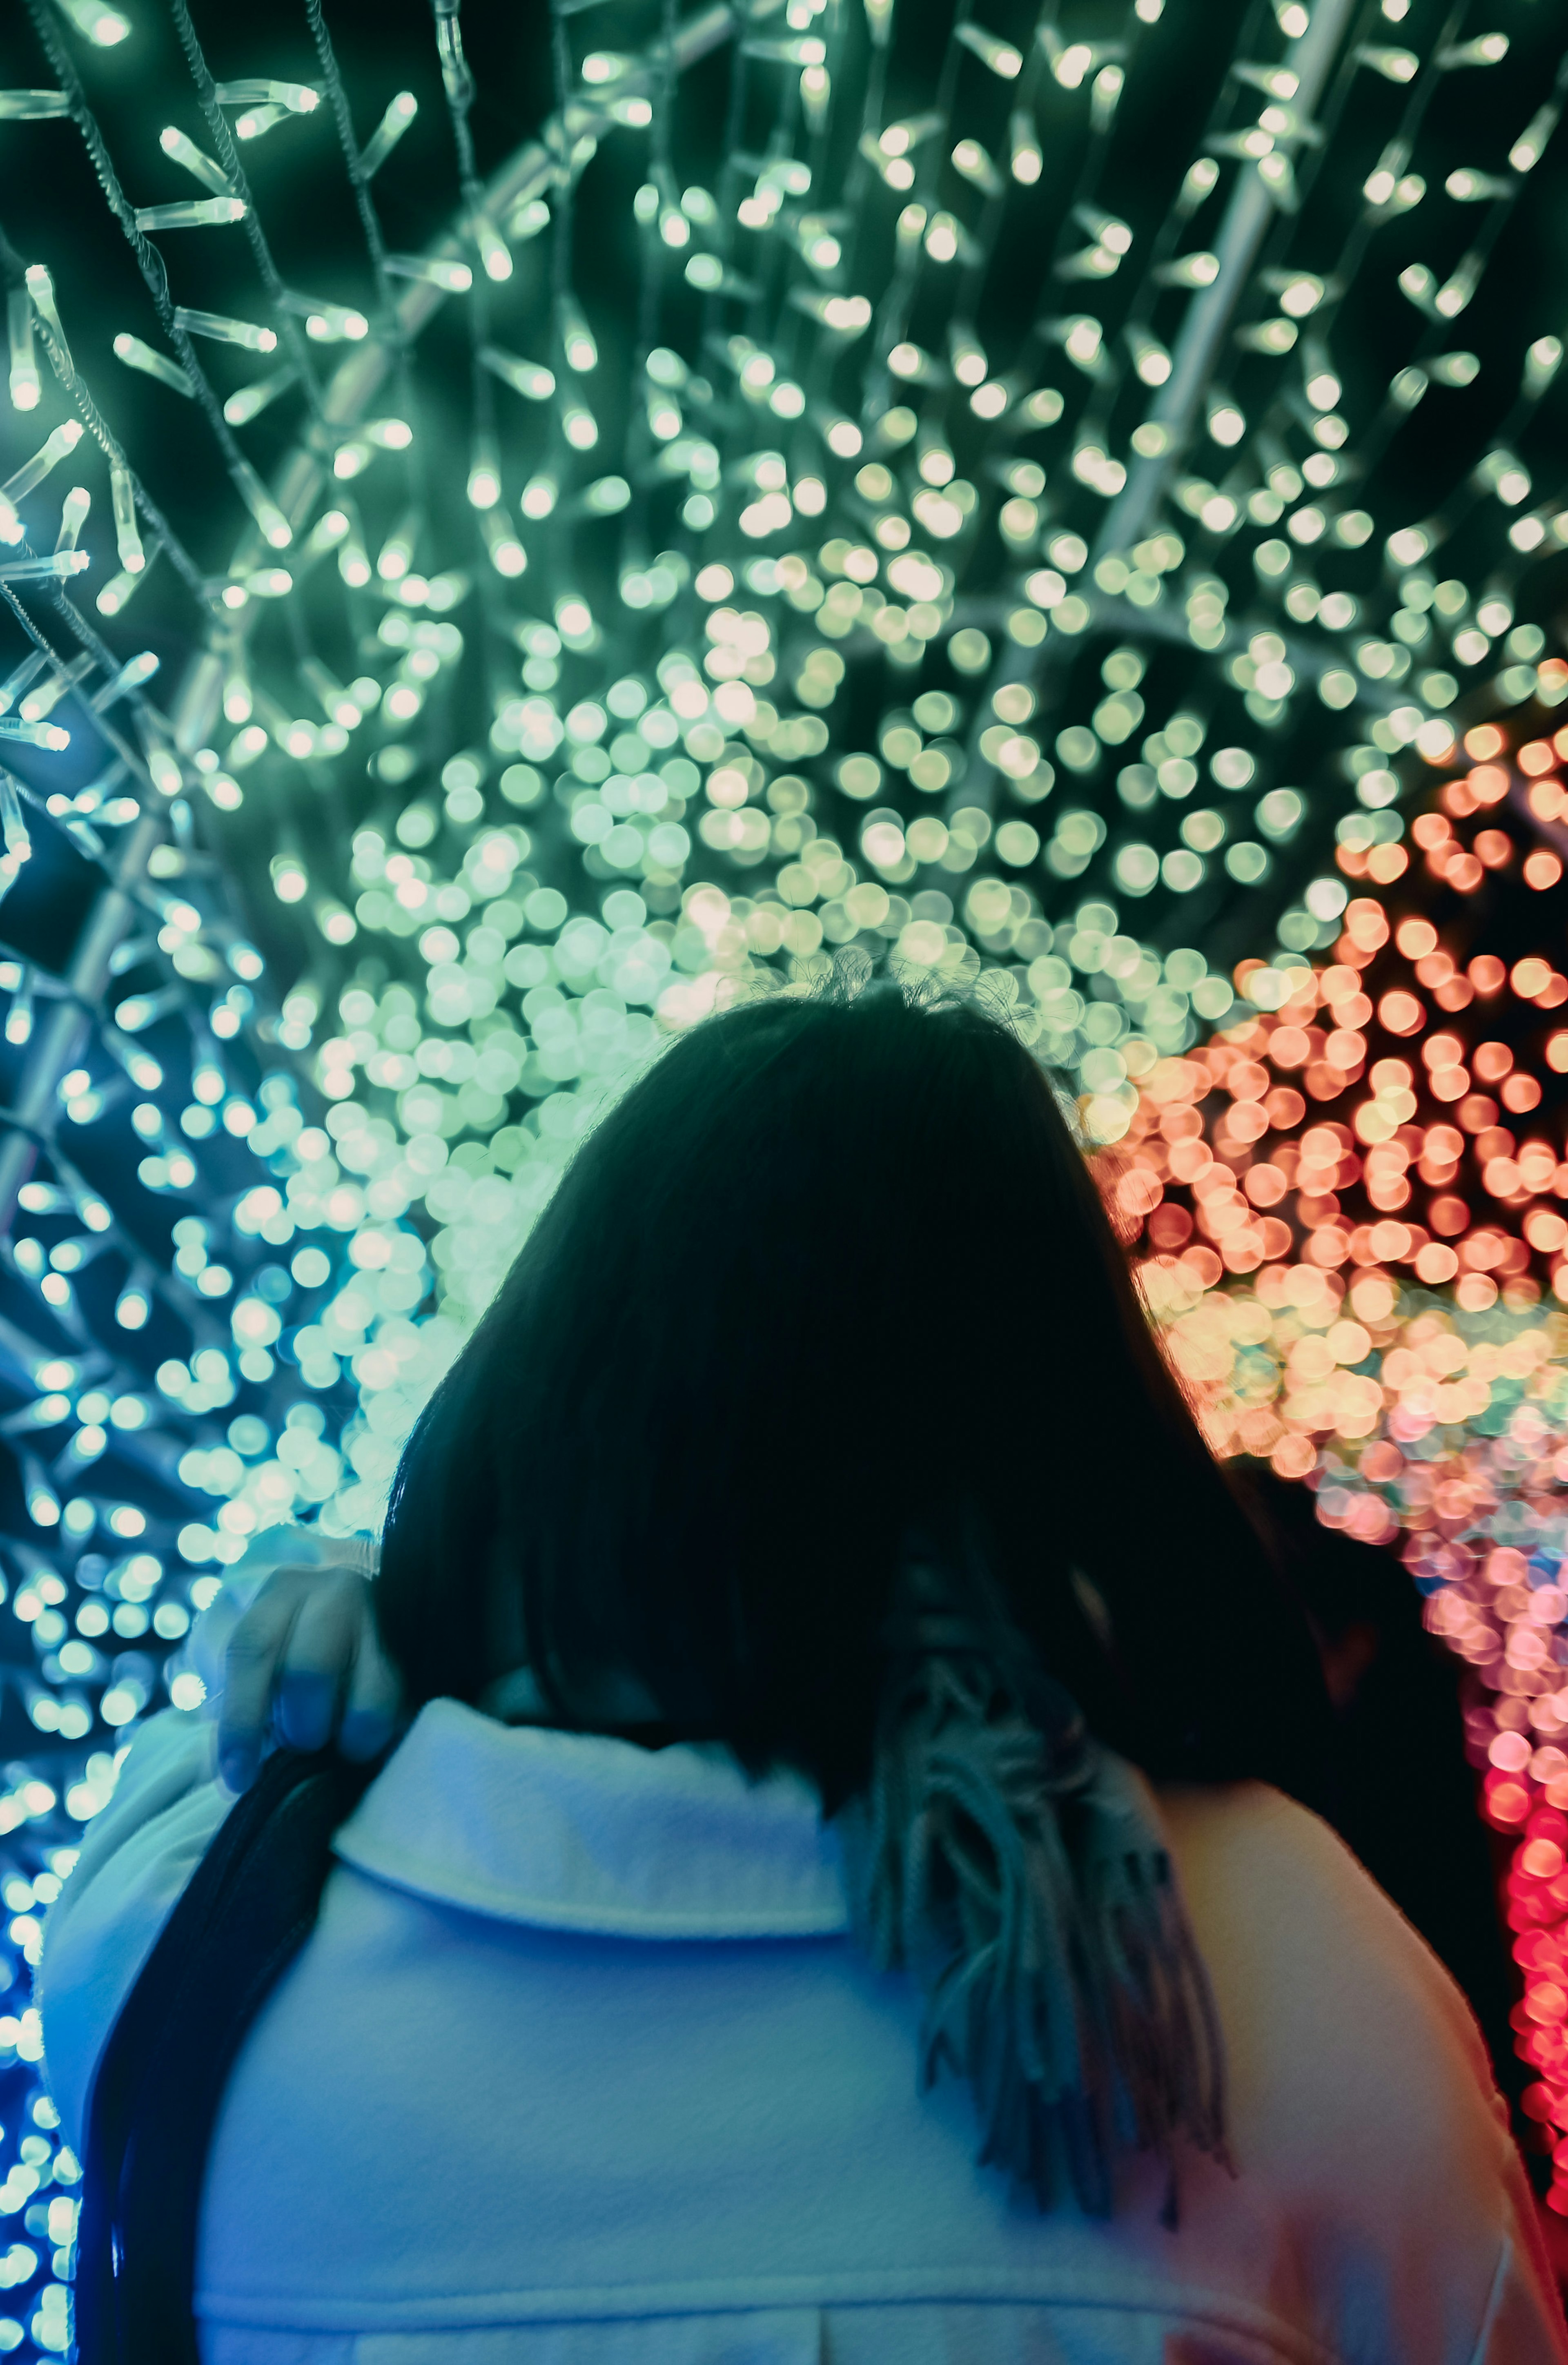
(1068, 506)
(1348, 1211)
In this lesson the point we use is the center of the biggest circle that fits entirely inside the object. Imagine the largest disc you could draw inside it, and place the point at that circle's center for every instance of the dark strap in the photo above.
(246, 1911)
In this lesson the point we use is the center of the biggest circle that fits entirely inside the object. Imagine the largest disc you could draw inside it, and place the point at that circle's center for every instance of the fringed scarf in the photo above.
(1015, 1868)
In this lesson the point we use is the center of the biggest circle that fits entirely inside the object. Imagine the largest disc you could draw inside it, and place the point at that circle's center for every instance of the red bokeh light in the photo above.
(1430, 1172)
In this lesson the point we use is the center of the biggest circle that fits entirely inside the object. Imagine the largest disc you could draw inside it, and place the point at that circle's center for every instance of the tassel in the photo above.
(1014, 1868)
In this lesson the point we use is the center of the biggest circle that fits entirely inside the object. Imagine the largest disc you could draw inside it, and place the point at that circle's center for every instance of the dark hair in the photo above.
(835, 1270)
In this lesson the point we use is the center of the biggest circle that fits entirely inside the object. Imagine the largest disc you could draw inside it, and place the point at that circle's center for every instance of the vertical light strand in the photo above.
(457, 83)
(148, 261)
(295, 340)
(65, 370)
(390, 328)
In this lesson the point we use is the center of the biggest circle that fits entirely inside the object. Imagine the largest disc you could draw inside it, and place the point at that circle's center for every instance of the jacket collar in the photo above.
(568, 1831)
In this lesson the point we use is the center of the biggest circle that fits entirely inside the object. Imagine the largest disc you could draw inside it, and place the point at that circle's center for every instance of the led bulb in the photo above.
(227, 331)
(73, 517)
(50, 454)
(185, 151)
(388, 132)
(247, 401)
(576, 339)
(484, 474)
(508, 555)
(104, 26)
(494, 251)
(436, 271)
(25, 385)
(1027, 158)
(397, 552)
(354, 562)
(275, 528)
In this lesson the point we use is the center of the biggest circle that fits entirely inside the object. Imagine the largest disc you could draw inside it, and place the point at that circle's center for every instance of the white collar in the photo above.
(570, 1831)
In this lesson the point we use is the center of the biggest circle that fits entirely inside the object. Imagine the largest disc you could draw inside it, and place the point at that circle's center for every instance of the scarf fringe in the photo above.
(1011, 1866)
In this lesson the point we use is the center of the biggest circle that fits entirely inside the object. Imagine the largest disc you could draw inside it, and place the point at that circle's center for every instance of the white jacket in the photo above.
(579, 2068)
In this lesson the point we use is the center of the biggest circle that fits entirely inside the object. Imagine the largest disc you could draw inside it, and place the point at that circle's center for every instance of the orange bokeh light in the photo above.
(1401, 1013)
(1442, 1050)
(1366, 923)
(1289, 1046)
(1387, 1192)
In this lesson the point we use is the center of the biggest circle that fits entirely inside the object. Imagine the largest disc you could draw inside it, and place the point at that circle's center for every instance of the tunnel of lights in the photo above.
(498, 563)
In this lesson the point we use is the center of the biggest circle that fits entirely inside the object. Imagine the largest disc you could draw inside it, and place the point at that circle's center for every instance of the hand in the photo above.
(304, 1663)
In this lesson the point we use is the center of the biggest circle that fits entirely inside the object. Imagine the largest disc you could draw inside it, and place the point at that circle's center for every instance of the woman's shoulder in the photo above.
(137, 1856)
(1282, 1890)
(1342, 2024)
(1361, 2093)
(1244, 1849)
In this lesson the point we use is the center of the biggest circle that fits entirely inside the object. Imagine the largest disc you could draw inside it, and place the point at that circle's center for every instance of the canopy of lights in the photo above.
(512, 536)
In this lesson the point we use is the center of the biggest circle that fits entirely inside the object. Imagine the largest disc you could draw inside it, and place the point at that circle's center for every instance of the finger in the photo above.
(316, 1664)
(251, 1664)
(375, 1703)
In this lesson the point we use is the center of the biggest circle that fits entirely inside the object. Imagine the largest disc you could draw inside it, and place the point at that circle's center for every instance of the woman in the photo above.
(754, 1583)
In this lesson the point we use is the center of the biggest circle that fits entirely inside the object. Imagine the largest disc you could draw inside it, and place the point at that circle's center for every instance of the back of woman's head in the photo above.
(831, 1276)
